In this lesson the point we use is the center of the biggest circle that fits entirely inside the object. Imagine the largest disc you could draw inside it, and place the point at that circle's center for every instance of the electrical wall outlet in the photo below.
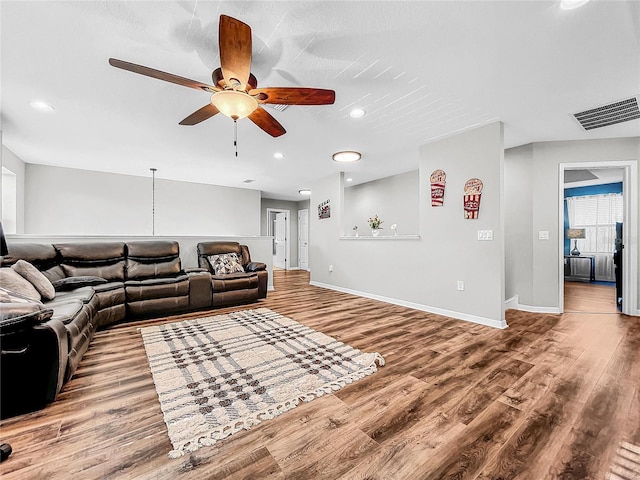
(485, 234)
(331, 268)
(460, 285)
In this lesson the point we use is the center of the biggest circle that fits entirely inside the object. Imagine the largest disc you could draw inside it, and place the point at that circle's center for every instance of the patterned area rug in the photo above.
(216, 376)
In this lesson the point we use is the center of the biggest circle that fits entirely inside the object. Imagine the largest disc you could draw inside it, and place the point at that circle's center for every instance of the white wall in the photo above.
(64, 201)
(394, 199)
(518, 211)
(535, 169)
(17, 166)
(423, 272)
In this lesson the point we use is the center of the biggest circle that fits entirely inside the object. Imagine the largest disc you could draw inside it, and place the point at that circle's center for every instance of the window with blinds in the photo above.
(598, 215)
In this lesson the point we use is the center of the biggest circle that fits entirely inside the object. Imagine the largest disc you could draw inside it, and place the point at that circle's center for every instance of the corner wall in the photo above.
(535, 169)
(422, 272)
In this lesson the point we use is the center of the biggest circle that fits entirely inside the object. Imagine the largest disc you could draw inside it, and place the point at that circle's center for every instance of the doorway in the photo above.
(303, 239)
(279, 227)
(590, 270)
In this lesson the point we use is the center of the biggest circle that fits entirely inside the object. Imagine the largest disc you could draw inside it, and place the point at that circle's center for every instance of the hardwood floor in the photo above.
(552, 396)
(587, 297)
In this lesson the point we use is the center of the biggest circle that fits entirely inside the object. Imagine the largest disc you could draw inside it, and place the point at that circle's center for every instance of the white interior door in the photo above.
(303, 239)
(281, 240)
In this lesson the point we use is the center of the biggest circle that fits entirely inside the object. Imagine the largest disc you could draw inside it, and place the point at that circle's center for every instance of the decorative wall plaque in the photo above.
(437, 187)
(472, 195)
(324, 209)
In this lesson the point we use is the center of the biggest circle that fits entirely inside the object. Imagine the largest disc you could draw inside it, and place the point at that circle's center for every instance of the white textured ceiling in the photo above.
(421, 70)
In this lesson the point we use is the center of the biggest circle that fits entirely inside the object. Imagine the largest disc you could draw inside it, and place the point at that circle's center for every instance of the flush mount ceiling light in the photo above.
(357, 113)
(572, 4)
(304, 191)
(346, 156)
(41, 106)
(278, 155)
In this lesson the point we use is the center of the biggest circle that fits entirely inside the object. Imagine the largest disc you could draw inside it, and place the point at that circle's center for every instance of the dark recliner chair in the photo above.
(234, 288)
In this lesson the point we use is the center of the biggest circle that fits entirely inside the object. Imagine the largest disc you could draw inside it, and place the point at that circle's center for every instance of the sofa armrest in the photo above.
(195, 270)
(36, 349)
(255, 267)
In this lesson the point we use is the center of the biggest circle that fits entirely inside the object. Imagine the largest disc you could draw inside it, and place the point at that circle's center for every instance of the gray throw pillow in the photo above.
(225, 263)
(12, 280)
(36, 278)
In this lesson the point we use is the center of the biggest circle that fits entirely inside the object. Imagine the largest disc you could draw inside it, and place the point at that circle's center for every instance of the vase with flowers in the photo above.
(375, 225)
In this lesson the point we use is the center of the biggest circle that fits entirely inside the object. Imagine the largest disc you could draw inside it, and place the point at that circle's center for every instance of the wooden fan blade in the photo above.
(200, 115)
(266, 122)
(167, 77)
(234, 40)
(294, 96)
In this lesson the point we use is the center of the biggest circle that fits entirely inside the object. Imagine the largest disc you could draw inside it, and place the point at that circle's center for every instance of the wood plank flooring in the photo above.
(552, 396)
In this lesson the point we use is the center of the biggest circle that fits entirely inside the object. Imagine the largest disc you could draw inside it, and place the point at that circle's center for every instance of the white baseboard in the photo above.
(513, 303)
(417, 306)
(536, 309)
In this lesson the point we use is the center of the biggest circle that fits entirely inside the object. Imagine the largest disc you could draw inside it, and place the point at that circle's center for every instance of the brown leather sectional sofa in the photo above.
(101, 284)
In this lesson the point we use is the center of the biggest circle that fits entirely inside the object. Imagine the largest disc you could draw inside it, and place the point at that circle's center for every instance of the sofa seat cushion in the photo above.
(84, 294)
(139, 290)
(65, 311)
(234, 281)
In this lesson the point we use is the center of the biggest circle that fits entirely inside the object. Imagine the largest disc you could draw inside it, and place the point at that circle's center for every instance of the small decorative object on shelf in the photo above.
(374, 224)
(355, 229)
(394, 227)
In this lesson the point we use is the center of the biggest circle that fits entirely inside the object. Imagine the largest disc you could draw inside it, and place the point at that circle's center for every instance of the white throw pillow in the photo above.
(36, 278)
(13, 281)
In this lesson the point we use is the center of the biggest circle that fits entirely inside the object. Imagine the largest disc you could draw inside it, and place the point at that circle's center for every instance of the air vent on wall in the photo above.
(277, 106)
(611, 114)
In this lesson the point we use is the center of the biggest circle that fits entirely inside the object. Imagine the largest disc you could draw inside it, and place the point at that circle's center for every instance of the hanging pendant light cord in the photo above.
(235, 136)
(153, 201)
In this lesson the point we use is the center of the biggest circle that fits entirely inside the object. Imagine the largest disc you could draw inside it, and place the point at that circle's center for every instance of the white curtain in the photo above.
(598, 215)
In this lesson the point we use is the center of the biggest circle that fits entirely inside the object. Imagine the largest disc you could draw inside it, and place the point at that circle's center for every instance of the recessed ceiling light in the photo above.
(357, 113)
(278, 155)
(41, 106)
(346, 156)
(349, 179)
(304, 191)
(572, 4)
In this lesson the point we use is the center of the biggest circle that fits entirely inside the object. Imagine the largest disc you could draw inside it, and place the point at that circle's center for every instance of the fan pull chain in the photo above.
(235, 136)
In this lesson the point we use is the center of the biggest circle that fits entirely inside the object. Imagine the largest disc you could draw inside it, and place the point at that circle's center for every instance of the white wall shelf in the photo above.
(386, 237)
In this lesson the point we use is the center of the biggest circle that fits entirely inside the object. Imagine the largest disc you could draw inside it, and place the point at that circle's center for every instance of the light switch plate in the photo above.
(543, 235)
(485, 234)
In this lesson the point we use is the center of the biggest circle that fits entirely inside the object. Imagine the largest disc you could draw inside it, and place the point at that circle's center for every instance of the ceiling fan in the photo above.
(234, 90)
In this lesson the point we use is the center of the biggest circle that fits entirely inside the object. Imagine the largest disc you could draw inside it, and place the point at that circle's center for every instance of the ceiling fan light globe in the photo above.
(234, 104)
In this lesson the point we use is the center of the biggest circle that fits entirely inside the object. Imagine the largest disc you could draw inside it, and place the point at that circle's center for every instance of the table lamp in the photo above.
(575, 234)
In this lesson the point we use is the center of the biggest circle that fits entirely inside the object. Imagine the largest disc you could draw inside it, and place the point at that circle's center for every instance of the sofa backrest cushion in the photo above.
(153, 259)
(206, 249)
(40, 255)
(104, 259)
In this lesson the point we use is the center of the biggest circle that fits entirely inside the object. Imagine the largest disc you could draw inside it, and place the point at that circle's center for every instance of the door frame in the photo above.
(629, 231)
(308, 231)
(270, 232)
